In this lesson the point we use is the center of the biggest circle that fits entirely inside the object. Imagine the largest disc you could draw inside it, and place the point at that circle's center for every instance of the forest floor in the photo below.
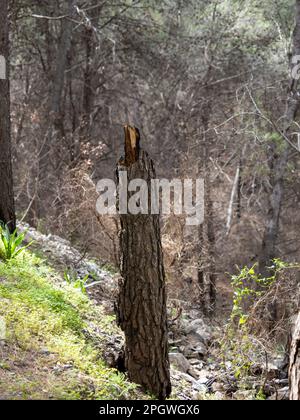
(55, 338)
(62, 340)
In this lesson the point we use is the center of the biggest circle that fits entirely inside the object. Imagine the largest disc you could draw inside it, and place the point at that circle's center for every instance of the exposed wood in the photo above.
(132, 145)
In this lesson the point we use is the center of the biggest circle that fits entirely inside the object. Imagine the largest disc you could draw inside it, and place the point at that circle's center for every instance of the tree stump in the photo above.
(294, 372)
(142, 309)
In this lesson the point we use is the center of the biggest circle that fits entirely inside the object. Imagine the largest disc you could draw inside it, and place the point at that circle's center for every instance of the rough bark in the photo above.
(279, 165)
(142, 310)
(294, 372)
(7, 208)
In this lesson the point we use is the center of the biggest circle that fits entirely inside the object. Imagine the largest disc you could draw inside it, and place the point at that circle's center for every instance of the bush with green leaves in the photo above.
(11, 243)
(247, 341)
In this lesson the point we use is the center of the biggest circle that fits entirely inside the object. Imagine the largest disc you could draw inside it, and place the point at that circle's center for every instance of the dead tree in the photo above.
(7, 208)
(142, 309)
(294, 372)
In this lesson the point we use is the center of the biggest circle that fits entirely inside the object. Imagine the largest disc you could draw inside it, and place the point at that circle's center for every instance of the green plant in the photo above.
(72, 279)
(11, 243)
(260, 396)
(248, 286)
(242, 345)
(45, 314)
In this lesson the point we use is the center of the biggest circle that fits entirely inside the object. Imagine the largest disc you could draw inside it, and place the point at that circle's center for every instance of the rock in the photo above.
(180, 362)
(204, 376)
(196, 363)
(217, 387)
(198, 331)
(193, 326)
(175, 343)
(200, 387)
(200, 336)
(188, 378)
(245, 395)
(219, 396)
(62, 255)
(282, 382)
(193, 373)
(182, 385)
(281, 395)
(198, 351)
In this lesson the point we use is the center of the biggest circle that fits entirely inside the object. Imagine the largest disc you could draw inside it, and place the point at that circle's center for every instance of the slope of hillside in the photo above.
(55, 337)
(59, 338)
(58, 335)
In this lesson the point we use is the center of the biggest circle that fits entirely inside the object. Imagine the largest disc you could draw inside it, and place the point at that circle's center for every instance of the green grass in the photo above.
(42, 311)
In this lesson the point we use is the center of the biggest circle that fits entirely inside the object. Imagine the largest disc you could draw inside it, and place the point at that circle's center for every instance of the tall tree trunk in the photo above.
(142, 309)
(279, 164)
(206, 268)
(89, 79)
(60, 69)
(50, 151)
(206, 262)
(294, 372)
(7, 206)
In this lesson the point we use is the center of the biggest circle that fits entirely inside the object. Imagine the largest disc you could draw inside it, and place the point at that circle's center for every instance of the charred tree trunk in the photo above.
(294, 372)
(142, 309)
(7, 207)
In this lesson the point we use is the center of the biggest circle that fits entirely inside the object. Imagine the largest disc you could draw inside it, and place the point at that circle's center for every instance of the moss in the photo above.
(42, 311)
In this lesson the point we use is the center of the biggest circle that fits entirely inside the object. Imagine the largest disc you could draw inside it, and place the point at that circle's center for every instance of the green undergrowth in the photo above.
(54, 337)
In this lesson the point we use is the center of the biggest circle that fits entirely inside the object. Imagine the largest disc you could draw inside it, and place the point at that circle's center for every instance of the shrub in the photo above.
(252, 335)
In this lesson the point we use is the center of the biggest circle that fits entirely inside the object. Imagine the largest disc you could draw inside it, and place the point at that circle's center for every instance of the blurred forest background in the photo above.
(206, 81)
(213, 86)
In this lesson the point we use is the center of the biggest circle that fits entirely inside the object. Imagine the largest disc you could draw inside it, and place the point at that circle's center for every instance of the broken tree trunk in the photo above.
(294, 373)
(142, 309)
